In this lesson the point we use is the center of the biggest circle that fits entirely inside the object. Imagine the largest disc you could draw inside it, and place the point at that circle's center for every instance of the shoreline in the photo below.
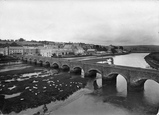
(152, 60)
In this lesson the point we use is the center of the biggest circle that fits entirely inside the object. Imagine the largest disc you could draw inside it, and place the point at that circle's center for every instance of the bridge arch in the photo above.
(77, 70)
(93, 72)
(47, 64)
(113, 75)
(30, 60)
(139, 85)
(65, 67)
(40, 62)
(117, 80)
(95, 76)
(22, 58)
(55, 65)
(25, 59)
(35, 61)
(151, 89)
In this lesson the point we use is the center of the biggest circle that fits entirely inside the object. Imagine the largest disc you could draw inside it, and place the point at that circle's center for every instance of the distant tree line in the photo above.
(99, 48)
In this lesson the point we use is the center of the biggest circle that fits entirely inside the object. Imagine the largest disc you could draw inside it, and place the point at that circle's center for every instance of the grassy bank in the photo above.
(4, 59)
(153, 60)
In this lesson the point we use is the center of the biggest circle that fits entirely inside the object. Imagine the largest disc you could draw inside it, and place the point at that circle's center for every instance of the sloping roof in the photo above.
(79, 48)
(15, 47)
(91, 50)
(68, 46)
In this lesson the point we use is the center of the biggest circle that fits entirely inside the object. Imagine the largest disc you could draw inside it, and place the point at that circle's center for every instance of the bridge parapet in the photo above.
(76, 64)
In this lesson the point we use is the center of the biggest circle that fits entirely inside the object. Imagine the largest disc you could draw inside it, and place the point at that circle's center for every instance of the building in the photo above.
(115, 49)
(49, 52)
(69, 48)
(120, 49)
(79, 50)
(28, 50)
(52, 50)
(14, 50)
(101, 52)
(53, 46)
(46, 52)
(2, 51)
(91, 51)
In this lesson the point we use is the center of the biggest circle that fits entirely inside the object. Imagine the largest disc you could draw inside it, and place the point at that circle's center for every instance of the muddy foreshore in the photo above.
(35, 90)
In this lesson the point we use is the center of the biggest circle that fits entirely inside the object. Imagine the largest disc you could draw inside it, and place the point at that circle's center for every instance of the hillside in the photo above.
(142, 48)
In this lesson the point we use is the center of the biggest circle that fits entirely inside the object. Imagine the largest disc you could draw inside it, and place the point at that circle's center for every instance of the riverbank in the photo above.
(98, 55)
(4, 59)
(153, 60)
(21, 92)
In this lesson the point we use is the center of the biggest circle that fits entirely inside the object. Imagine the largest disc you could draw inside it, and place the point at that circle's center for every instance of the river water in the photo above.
(115, 100)
(110, 100)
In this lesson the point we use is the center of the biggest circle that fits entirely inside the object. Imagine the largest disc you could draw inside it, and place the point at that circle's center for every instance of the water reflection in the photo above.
(132, 101)
(151, 92)
(141, 103)
(121, 85)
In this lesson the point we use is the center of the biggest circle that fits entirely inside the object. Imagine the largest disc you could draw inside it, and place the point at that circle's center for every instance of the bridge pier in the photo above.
(109, 81)
(95, 84)
(90, 75)
(39, 63)
(35, 63)
(54, 66)
(75, 72)
(30, 62)
(137, 87)
(25, 61)
(65, 68)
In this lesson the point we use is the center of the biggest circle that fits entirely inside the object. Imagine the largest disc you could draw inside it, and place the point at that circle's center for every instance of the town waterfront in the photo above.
(104, 100)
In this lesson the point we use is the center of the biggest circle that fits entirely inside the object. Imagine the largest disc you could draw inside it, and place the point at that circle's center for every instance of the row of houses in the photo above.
(18, 50)
(46, 50)
(54, 50)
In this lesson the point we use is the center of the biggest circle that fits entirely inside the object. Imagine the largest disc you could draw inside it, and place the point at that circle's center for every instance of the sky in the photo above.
(102, 22)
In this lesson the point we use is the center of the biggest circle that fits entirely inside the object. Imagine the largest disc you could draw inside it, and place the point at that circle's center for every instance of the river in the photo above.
(115, 100)
(109, 100)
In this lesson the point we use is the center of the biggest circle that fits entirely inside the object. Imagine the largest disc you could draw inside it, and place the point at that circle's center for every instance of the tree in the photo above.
(14, 44)
(113, 50)
(21, 40)
(121, 47)
(33, 41)
(53, 55)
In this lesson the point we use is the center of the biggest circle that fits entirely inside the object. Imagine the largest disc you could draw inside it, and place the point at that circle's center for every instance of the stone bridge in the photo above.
(134, 76)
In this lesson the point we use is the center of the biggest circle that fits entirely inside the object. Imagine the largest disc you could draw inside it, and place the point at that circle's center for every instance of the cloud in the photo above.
(98, 22)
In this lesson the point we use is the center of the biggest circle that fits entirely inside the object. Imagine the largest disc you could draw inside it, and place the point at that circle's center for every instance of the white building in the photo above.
(2, 51)
(79, 50)
(14, 50)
